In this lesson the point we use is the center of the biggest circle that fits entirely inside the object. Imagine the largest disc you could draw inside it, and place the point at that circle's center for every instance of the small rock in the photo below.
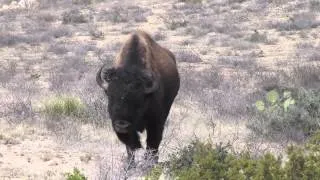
(46, 156)
(53, 163)
(86, 158)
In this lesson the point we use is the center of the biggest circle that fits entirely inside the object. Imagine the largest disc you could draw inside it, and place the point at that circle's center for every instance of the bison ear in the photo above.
(151, 84)
(104, 76)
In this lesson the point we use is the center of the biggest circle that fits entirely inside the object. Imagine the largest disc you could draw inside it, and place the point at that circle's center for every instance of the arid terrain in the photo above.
(229, 53)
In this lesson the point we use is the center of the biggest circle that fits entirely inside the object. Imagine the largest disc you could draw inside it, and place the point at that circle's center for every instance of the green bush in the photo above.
(75, 175)
(294, 114)
(203, 161)
(304, 162)
(155, 173)
(64, 105)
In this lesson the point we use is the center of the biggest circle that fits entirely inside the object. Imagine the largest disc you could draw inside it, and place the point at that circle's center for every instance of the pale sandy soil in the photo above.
(29, 150)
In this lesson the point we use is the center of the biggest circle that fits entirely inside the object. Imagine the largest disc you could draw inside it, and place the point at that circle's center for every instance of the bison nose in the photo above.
(121, 126)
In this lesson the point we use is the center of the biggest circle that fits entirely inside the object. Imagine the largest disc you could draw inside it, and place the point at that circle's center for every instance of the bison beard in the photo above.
(141, 87)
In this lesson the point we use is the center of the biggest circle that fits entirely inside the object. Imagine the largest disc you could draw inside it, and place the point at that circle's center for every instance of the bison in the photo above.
(140, 87)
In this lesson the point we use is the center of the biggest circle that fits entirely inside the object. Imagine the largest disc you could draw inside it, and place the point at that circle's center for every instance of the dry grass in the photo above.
(229, 53)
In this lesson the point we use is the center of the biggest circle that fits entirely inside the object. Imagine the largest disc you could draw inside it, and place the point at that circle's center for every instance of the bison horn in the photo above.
(104, 76)
(152, 85)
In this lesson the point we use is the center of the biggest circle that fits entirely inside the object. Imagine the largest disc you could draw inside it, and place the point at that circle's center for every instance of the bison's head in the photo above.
(128, 91)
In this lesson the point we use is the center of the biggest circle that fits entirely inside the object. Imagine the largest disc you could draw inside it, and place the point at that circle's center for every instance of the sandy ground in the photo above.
(31, 151)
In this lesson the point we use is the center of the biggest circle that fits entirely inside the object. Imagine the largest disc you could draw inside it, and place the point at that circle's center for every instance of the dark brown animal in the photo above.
(141, 87)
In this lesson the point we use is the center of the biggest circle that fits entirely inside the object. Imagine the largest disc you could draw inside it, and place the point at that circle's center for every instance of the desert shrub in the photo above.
(314, 5)
(159, 36)
(306, 76)
(155, 173)
(289, 114)
(5, 1)
(188, 56)
(203, 161)
(7, 72)
(258, 37)
(96, 104)
(82, 2)
(175, 20)
(45, 17)
(116, 15)
(62, 31)
(10, 39)
(75, 175)
(194, 81)
(95, 32)
(304, 162)
(239, 62)
(124, 14)
(43, 4)
(297, 22)
(76, 16)
(63, 105)
(235, 1)
(307, 52)
(191, 1)
(20, 110)
(58, 48)
(267, 80)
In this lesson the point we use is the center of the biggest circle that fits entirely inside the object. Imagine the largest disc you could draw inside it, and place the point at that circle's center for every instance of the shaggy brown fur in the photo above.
(141, 87)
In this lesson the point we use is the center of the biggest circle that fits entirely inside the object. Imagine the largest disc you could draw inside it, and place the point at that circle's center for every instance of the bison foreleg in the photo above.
(130, 158)
(154, 137)
(132, 142)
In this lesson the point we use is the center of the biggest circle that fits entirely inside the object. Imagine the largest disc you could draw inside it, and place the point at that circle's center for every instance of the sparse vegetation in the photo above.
(46, 17)
(237, 62)
(58, 48)
(308, 52)
(191, 1)
(82, 2)
(200, 160)
(297, 22)
(258, 37)
(174, 21)
(287, 114)
(62, 31)
(124, 14)
(233, 56)
(314, 5)
(188, 56)
(95, 32)
(159, 36)
(306, 76)
(75, 175)
(76, 16)
(63, 105)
